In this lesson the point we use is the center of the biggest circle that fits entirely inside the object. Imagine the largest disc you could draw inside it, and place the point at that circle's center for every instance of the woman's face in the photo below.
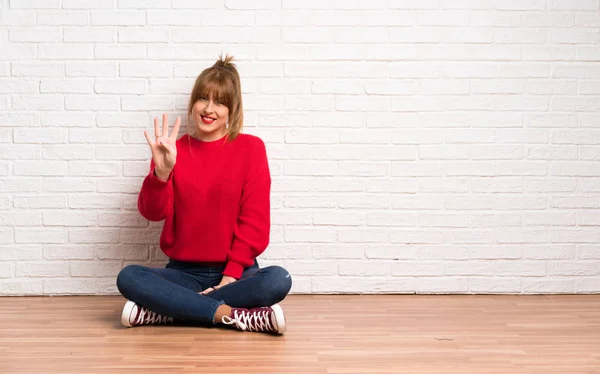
(209, 118)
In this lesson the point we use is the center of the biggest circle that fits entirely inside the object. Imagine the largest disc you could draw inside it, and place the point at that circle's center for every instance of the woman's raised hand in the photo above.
(164, 151)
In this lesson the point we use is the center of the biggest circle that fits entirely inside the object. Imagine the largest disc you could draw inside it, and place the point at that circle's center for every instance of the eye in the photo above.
(202, 98)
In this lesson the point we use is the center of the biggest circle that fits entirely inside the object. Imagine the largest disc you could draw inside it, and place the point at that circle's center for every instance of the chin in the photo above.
(208, 129)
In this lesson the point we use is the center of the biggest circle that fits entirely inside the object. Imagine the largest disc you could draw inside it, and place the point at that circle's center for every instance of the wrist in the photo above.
(161, 174)
(233, 269)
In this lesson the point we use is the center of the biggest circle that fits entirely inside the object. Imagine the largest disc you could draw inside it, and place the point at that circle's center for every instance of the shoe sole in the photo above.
(127, 309)
(279, 317)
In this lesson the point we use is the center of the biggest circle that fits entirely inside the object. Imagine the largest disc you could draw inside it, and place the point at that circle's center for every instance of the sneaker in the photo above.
(266, 319)
(136, 315)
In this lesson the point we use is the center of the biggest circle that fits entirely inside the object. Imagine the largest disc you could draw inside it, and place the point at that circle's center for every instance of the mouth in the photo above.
(207, 120)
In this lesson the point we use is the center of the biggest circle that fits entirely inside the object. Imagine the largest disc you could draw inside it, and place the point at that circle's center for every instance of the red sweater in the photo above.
(216, 202)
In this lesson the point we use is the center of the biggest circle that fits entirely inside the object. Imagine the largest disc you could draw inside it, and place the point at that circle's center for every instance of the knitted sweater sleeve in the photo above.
(251, 234)
(155, 200)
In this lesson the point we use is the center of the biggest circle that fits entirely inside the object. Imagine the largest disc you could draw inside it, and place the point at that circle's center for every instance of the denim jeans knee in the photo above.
(125, 279)
(281, 282)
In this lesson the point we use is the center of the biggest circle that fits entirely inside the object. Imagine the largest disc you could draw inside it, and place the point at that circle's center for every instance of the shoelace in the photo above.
(148, 317)
(250, 321)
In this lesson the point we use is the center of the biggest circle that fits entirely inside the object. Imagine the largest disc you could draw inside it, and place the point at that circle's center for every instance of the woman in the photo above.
(212, 188)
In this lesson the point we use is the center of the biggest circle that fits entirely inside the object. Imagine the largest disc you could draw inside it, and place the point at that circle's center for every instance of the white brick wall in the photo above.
(436, 146)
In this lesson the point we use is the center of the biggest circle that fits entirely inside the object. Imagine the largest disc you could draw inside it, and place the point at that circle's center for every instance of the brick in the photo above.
(89, 4)
(35, 4)
(17, 17)
(119, 18)
(547, 285)
(363, 268)
(313, 268)
(91, 69)
(73, 218)
(68, 252)
(21, 286)
(70, 286)
(20, 218)
(119, 185)
(442, 285)
(68, 119)
(121, 220)
(67, 152)
(66, 86)
(406, 236)
(20, 252)
(363, 285)
(143, 35)
(70, 51)
(521, 268)
(94, 136)
(438, 253)
(41, 35)
(338, 218)
(35, 168)
(66, 184)
(364, 201)
(333, 251)
(38, 102)
(472, 268)
(140, 236)
(492, 285)
(121, 51)
(95, 201)
(95, 268)
(135, 252)
(63, 18)
(18, 185)
(39, 202)
(20, 152)
(39, 235)
(88, 235)
(548, 19)
(42, 269)
(144, 4)
(128, 120)
(310, 235)
(91, 102)
(359, 235)
(90, 168)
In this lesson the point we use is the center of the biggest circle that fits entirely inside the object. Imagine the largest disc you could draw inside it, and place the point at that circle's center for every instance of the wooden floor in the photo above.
(326, 334)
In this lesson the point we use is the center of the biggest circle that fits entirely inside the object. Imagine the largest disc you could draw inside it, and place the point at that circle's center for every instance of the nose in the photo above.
(209, 106)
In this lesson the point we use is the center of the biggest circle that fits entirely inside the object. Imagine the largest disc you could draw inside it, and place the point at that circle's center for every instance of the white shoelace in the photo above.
(148, 317)
(250, 321)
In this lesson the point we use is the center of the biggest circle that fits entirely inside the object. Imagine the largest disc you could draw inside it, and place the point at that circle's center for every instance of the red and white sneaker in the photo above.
(266, 319)
(136, 315)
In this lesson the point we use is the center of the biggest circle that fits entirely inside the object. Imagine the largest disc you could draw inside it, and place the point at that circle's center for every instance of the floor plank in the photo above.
(326, 334)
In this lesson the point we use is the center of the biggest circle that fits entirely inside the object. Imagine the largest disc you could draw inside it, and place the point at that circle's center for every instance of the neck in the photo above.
(208, 137)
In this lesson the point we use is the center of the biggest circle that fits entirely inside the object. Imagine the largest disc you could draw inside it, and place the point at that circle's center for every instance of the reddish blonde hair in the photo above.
(221, 82)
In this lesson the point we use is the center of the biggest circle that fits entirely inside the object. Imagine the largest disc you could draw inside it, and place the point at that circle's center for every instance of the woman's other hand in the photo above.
(224, 281)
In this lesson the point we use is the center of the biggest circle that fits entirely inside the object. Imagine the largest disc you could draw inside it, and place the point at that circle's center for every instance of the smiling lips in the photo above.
(207, 120)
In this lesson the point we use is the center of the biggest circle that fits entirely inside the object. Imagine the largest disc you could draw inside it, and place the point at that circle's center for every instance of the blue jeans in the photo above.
(173, 291)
